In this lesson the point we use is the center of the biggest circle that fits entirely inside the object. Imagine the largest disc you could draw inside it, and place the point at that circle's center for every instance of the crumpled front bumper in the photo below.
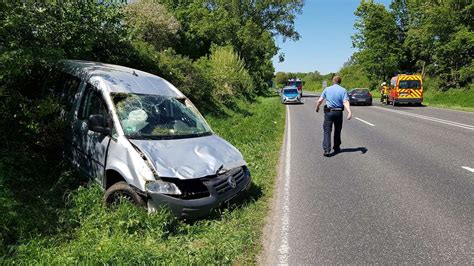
(220, 190)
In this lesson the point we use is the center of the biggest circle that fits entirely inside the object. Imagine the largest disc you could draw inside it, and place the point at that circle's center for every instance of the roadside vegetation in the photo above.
(455, 99)
(86, 232)
(220, 60)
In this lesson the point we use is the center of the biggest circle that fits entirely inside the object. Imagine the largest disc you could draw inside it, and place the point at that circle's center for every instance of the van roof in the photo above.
(119, 78)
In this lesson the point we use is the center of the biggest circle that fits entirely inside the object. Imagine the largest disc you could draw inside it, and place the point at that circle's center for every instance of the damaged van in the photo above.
(141, 139)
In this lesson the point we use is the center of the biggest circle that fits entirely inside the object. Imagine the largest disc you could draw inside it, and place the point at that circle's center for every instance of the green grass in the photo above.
(457, 99)
(453, 99)
(88, 233)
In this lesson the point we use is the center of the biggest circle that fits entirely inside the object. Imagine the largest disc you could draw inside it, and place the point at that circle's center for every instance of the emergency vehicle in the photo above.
(296, 83)
(405, 89)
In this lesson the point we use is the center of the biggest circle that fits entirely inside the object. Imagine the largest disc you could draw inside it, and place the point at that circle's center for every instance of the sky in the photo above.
(326, 27)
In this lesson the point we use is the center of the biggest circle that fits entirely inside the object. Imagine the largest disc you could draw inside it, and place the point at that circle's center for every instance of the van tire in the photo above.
(122, 190)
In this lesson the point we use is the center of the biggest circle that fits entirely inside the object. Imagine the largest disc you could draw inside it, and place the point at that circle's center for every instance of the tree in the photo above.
(249, 26)
(440, 38)
(379, 48)
(281, 78)
(34, 36)
(151, 22)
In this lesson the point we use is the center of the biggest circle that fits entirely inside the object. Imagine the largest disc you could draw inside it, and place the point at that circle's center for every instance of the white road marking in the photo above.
(285, 219)
(363, 121)
(429, 118)
(468, 168)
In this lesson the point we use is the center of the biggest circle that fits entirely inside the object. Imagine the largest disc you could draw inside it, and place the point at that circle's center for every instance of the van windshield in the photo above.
(144, 116)
(290, 91)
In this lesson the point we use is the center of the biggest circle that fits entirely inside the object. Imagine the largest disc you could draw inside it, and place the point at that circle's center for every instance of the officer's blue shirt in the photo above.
(335, 96)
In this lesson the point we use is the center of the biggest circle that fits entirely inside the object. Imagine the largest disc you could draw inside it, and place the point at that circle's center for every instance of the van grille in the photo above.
(191, 189)
(203, 187)
(222, 185)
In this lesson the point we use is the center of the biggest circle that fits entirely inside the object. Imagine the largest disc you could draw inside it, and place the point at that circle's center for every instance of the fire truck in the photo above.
(405, 88)
(296, 83)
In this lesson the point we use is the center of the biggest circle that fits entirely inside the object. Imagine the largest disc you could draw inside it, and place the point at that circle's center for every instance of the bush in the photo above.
(228, 75)
(151, 22)
(8, 217)
(35, 36)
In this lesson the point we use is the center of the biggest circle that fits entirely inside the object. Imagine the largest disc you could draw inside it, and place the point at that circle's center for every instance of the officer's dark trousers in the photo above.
(330, 118)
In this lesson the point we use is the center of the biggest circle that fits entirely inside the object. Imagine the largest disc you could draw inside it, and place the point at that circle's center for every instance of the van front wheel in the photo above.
(122, 191)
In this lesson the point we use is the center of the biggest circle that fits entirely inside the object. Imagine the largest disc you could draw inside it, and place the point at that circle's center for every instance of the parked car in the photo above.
(143, 140)
(290, 94)
(360, 96)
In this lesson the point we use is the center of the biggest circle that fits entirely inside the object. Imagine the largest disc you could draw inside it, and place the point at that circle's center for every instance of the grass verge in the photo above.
(457, 99)
(89, 233)
(462, 100)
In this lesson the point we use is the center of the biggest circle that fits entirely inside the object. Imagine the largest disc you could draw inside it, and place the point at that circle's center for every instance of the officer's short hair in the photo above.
(337, 79)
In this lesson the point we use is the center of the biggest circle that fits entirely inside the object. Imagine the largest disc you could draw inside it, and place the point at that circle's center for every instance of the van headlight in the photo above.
(162, 187)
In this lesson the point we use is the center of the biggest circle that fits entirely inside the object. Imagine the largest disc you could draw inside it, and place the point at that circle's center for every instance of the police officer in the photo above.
(336, 100)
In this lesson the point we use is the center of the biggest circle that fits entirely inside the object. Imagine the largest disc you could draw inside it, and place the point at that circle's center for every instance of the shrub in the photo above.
(151, 22)
(228, 74)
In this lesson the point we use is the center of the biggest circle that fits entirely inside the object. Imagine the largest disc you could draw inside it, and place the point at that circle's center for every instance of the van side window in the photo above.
(92, 104)
(66, 87)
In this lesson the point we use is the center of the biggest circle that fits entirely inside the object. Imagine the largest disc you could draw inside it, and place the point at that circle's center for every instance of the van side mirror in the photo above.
(97, 123)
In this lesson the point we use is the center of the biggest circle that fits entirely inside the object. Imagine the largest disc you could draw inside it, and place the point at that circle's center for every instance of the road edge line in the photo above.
(468, 169)
(363, 121)
(271, 232)
(284, 246)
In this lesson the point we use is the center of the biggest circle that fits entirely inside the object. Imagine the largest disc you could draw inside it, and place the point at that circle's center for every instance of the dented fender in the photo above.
(125, 159)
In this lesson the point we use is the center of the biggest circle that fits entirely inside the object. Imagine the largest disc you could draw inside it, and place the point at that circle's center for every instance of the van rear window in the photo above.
(409, 84)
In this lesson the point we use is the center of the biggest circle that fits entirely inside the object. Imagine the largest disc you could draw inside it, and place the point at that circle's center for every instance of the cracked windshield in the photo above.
(155, 116)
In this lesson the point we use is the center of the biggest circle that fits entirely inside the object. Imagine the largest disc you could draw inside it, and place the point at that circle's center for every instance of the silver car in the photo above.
(290, 94)
(141, 139)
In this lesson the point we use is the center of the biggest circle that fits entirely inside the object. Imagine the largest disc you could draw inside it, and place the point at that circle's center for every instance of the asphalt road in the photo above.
(401, 191)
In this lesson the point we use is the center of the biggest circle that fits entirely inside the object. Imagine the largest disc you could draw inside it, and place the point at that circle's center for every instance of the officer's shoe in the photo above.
(337, 150)
(327, 153)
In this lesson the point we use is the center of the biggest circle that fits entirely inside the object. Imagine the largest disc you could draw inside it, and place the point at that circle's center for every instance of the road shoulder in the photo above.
(271, 232)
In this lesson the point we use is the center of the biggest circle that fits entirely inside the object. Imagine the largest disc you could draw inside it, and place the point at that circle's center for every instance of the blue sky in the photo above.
(326, 27)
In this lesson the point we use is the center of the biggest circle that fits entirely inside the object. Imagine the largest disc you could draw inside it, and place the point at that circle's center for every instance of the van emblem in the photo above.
(231, 181)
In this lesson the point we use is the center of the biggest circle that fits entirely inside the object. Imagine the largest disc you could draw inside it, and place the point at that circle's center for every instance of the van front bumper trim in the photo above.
(222, 189)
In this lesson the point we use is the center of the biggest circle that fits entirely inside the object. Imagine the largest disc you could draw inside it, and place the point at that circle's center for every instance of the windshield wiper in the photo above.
(162, 137)
(139, 136)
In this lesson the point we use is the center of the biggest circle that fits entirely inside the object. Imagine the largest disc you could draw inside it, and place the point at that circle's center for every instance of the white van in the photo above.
(141, 139)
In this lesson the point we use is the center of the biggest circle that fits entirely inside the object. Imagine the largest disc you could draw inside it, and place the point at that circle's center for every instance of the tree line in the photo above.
(431, 37)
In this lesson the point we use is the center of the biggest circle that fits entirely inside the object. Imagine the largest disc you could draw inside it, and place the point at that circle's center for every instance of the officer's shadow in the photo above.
(362, 150)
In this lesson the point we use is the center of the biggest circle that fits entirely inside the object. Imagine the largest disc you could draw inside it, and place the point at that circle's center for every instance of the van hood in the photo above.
(190, 158)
